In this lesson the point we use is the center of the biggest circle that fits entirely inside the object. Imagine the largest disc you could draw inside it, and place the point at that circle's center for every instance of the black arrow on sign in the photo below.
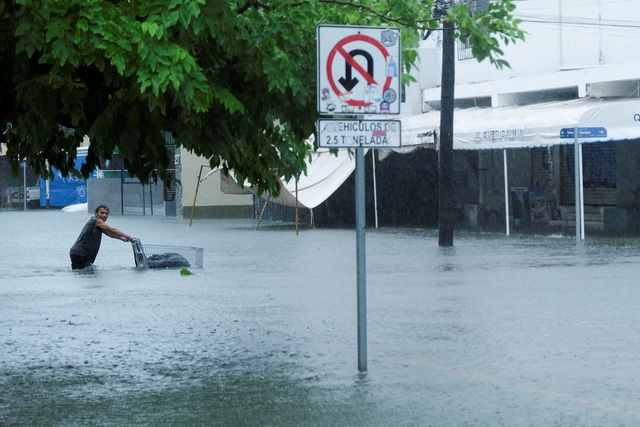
(348, 81)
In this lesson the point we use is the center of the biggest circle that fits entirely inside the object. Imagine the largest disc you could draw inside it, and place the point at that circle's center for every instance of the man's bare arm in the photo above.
(113, 232)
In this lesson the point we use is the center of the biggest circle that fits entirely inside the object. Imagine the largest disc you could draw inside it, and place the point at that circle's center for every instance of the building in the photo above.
(202, 195)
(574, 53)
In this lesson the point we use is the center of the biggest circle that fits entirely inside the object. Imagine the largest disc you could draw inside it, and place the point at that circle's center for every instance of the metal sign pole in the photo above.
(361, 261)
(577, 175)
(577, 133)
(375, 186)
(24, 184)
(506, 189)
(581, 193)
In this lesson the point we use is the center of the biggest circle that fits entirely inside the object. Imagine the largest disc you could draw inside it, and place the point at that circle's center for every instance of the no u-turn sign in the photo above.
(359, 70)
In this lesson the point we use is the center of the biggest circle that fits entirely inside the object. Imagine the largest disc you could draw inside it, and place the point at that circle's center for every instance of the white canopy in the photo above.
(535, 125)
(326, 172)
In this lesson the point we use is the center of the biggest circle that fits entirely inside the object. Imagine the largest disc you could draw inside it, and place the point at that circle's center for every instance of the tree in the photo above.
(233, 81)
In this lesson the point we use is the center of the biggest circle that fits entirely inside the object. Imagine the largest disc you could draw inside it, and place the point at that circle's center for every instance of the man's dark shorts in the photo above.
(78, 262)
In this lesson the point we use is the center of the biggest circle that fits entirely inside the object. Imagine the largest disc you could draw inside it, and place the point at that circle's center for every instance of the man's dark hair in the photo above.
(102, 207)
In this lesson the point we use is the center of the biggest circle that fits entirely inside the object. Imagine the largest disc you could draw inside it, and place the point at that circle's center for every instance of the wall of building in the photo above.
(210, 202)
(480, 187)
(406, 193)
(625, 216)
(628, 159)
(130, 198)
(566, 45)
(561, 35)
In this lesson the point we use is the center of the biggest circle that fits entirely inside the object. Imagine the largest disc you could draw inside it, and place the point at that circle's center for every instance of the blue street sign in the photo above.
(596, 132)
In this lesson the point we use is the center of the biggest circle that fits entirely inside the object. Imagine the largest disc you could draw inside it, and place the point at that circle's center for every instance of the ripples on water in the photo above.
(494, 329)
(36, 244)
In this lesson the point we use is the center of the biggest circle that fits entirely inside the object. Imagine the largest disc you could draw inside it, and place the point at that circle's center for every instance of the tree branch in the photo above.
(382, 15)
(252, 3)
(361, 6)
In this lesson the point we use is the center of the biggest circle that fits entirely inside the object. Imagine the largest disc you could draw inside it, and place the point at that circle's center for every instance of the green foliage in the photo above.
(485, 32)
(232, 81)
(185, 272)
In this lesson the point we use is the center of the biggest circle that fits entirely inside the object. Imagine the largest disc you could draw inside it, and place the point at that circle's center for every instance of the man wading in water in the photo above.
(84, 251)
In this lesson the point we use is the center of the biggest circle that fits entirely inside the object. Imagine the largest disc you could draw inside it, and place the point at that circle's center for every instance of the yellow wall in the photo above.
(209, 193)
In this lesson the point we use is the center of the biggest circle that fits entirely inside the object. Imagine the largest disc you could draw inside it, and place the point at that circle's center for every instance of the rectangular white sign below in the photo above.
(359, 133)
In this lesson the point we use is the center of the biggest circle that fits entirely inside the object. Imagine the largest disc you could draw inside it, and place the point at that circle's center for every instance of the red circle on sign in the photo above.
(339, 47)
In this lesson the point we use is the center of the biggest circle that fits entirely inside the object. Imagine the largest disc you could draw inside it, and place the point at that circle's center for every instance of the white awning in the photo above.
(535, 125)
(326, 172)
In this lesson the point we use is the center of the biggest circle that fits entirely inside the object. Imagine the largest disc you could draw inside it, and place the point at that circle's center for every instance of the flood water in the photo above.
(514, 331)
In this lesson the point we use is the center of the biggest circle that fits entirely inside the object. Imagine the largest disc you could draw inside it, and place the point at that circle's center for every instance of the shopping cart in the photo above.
(166, 256)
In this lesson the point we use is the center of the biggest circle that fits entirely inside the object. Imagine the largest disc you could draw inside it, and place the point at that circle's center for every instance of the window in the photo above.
(464, 47)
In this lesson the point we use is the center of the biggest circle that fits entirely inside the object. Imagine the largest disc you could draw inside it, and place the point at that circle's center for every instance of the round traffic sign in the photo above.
(368, 48)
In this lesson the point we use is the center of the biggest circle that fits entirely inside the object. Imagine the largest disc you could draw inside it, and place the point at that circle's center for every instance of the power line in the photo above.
(578, 22)
(589, 31)
(579, 5)
(562, 14)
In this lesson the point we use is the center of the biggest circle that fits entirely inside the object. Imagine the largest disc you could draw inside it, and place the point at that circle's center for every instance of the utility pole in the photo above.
(445, 155)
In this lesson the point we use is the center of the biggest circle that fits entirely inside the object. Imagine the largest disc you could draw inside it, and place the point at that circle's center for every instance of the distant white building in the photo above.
(572, 49)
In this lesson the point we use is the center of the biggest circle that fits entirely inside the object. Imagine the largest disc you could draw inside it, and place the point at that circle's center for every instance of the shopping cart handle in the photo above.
(138, 253)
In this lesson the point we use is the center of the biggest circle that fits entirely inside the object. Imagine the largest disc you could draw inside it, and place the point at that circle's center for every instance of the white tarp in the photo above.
(535, 125)
(325, 174)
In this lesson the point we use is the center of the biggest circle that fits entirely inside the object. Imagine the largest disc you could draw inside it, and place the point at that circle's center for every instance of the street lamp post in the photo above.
(445, 171)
